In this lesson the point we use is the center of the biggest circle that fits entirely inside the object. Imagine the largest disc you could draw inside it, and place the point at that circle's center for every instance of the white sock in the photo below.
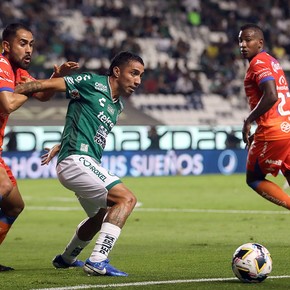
(108, 236)
(74, 247)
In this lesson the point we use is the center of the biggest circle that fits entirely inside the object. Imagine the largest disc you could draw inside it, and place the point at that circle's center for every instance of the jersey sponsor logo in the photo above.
(6, 80)
(282, 80)
(101, 136)
(264, 74)
(111, 110)
(89, 165)
(105, 119)
(285, 127)
(283, 86)
(274, 162)
(101, 87)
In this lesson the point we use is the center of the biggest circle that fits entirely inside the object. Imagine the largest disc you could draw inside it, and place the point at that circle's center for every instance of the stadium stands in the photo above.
(198, 38)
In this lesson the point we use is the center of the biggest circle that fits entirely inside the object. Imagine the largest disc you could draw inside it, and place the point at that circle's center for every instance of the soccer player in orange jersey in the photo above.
(268, 95)
(17, 43)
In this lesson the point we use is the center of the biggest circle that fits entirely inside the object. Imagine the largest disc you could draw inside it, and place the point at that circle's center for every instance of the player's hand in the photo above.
(250, 141)
(24, 79)
(65, 69)
(246, 133)
(51, 152)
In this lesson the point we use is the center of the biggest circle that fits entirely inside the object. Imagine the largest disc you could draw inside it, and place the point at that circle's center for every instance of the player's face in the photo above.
(250, 43)
(130, 77)
(19, 49)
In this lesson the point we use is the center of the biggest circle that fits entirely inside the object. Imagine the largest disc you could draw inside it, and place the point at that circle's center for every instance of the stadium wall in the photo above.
(184, 150)
(140, 163)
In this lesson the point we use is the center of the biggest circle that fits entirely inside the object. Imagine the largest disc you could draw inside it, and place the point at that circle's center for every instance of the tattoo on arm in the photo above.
(29, 88)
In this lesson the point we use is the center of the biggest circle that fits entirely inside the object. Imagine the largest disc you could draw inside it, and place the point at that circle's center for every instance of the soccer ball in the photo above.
(252, 263)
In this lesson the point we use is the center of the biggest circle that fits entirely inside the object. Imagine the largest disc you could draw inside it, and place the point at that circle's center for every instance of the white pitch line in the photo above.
(188, 210)
(146, 283)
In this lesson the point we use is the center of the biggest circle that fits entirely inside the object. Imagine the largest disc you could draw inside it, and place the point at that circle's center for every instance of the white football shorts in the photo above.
(89, 181)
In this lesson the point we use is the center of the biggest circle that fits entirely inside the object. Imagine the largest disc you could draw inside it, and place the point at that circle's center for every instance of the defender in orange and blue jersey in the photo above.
(17, 43)
(268, 95)
(17, 48)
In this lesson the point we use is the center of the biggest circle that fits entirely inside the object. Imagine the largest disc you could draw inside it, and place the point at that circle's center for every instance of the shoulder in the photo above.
(5, 65)
(22, 73)
(4, 61)
(81, 77)
(261, 61)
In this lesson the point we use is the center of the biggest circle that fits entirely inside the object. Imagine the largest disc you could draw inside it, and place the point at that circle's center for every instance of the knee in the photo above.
(14, 210)
(130, 200)
(6, 187)
(254, 182)
(12, 207)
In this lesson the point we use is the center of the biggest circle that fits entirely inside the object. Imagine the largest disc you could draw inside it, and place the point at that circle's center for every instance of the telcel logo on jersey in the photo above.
(101, 87)
(106, 120)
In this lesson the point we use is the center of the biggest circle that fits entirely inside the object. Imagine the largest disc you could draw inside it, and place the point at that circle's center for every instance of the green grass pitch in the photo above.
(181, 237)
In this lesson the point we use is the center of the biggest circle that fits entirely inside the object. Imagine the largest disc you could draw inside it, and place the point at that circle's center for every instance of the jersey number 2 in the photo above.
(281, 110)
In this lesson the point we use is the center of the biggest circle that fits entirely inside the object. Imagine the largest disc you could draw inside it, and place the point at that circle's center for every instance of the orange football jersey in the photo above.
(274, 124)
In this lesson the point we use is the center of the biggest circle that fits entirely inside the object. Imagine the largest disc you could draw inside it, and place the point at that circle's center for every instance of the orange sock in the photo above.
(4, 228)
(273, 193)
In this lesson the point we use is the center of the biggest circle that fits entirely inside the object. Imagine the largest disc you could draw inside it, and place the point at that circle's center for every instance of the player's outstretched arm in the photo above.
(49, 85)
(64, 69)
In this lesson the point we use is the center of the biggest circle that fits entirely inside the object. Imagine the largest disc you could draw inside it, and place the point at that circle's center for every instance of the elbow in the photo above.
(9, 109)
(42, 99)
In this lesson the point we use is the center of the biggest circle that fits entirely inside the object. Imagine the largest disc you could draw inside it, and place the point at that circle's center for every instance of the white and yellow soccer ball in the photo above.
(252, 263)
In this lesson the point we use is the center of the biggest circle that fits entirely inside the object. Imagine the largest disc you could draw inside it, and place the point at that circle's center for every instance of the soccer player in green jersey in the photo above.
(92, 112)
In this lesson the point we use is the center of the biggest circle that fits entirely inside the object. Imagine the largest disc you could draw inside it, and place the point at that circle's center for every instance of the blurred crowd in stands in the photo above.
(189, 46)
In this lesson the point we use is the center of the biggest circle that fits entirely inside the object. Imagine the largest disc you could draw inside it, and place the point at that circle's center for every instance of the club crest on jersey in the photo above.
(74, 94)
(276, 66)
(101, 87)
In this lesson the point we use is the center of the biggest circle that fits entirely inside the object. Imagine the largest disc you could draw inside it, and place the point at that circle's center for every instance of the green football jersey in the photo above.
(90, 117)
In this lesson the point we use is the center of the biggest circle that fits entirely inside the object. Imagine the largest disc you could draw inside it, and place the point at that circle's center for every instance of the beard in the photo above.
(19, 63)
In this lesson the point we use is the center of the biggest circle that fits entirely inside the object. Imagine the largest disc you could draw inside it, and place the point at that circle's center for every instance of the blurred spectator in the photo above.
(179, 32)
(180, 49)
(12, 141)
(154, 138)
(232, 141)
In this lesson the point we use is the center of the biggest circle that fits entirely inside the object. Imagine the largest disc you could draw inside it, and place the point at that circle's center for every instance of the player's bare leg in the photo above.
(11, 205)
(122, 202)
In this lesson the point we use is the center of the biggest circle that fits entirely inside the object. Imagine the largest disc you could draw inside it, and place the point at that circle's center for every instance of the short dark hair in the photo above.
(122, 58)
(254, 27)
(10, 30)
